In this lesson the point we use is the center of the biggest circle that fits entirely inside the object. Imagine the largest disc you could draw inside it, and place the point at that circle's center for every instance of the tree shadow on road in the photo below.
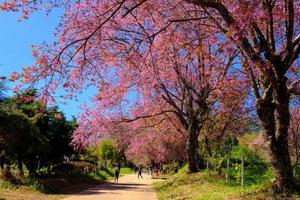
(113, 187)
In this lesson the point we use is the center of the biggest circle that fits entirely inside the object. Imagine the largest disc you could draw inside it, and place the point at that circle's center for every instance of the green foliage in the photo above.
(105, 152)
(251, 157)
(58, 131)
(19, 135)
(255, 168)
(171, 167)
(72, 168)
(236, 172)
(215, 151)
(31, 133)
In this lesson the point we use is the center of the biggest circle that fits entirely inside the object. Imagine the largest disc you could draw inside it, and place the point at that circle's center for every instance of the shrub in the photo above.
(171, 167)
(74, 167)
(255, 168)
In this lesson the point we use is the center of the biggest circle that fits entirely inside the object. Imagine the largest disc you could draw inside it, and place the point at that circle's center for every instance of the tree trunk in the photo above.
(1, 167)
(192, 147)
(20, 169)
(273, 112)
(30, 164)
(7, 171)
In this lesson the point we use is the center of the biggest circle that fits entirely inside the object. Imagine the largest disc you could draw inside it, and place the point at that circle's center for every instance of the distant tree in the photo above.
(31, 133)
(20, 140)
(3, 89)
(105, 152)
(58, 131)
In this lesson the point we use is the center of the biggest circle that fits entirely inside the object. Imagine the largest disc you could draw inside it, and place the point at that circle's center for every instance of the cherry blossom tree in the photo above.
(267, 32)
(188, 89)
(147, 140)
(95, 35)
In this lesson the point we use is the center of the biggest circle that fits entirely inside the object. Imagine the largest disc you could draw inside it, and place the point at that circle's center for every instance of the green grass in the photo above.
(210, 186)
(126, 170)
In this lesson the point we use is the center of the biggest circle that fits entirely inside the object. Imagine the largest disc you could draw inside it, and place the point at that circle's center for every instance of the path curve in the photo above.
(128, 188)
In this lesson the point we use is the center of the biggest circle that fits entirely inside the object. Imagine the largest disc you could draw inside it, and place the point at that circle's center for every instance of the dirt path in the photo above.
(129, 187)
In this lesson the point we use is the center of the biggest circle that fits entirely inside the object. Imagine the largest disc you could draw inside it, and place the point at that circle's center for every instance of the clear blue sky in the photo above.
(16, 39)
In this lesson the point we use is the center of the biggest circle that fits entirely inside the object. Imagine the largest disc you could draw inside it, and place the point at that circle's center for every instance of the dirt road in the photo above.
(128, 188)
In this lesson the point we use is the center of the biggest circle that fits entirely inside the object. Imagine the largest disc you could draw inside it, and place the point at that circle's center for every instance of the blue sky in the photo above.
(16, 39)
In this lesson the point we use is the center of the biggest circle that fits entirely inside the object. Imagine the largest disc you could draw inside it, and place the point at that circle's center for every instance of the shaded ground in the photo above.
(129, 187)
(28, 196)
(56, 188)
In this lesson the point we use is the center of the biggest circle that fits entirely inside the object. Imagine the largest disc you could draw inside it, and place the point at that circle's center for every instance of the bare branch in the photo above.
(143, 117)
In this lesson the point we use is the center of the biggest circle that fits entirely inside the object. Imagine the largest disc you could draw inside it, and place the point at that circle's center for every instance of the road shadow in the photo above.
(97, 188)
(114, 187)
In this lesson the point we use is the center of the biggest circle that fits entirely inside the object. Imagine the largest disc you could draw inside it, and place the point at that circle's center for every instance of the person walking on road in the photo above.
(140, 172)
(117, 173)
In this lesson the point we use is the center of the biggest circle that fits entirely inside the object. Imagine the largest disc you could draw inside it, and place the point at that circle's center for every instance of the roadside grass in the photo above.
(211, 186)
(126, 170)
(25, 189)
(51, 187)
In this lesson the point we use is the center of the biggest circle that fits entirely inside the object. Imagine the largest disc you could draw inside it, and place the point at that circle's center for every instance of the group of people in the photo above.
(152, 171)
(118, 169)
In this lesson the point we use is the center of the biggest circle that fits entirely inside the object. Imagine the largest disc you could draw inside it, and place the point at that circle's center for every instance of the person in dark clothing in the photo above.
(140, 172)
(117, 173)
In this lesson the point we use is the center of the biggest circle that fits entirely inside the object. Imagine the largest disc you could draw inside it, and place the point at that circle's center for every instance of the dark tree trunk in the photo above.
(274, 116)
(192, 147)
(1, 167)
(30, 164)
(32, 172)
(7, 171)
(20, 168)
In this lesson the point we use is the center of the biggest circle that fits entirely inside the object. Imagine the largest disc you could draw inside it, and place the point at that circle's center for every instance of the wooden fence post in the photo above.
(242, 171)
(207, 165)
(227, 170)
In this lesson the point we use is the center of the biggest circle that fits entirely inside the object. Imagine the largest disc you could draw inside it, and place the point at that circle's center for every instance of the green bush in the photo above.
(72, 168)
(108, 170)
(215, 151)
(251, 158)
(169, 168)
(252, 174)
(255, 167)
(6, 184)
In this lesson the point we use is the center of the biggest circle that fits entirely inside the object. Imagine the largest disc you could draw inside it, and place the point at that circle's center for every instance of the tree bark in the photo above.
(192, 147)
(273, 112)
(1, 167)
(7, 171)
(20, 169)
(30, 164)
